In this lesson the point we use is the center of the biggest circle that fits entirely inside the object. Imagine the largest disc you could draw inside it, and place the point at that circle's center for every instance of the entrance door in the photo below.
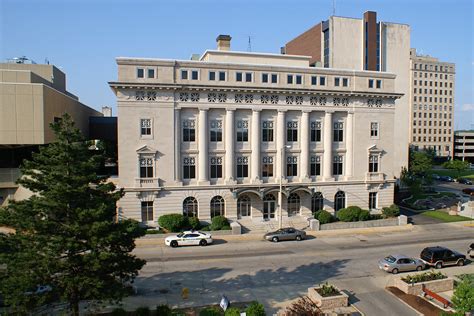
(269, 206)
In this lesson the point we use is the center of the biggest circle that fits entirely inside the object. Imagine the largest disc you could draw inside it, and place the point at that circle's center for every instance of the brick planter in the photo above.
(329, 302)
(436, 286)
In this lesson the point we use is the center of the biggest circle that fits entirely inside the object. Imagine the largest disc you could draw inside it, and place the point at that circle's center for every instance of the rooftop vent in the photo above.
(223, 42)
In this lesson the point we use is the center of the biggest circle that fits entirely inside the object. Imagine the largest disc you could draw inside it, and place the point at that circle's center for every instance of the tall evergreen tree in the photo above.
(66, 235)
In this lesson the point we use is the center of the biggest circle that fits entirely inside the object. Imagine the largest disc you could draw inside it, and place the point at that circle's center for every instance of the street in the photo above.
(276, 273)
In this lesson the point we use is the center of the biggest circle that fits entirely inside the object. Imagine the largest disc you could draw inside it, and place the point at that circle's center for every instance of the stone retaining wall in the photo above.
(436, 286)
(365, 224)
(330, 302)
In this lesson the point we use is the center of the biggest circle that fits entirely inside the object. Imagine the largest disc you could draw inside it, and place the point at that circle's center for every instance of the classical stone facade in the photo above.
(215, 136)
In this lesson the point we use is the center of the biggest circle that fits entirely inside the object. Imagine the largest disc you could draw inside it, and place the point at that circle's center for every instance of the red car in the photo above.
(468, 191)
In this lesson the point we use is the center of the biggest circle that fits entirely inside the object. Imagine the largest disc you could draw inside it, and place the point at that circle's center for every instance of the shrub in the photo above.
(119, 312)
(327, 289)
(424, 277)
(210, 311)
(194, 223)
(364, 215)
(232, 311)
(463, 298)
(303, 306)
(142, 311)
(163, 310)
(324, 217)
(255, 309)
(205, 228)
(349, 214)
(218, 222)
(391, 211)
(173, 222)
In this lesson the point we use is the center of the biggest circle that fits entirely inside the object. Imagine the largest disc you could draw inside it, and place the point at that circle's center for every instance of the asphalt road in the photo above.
(275, 273)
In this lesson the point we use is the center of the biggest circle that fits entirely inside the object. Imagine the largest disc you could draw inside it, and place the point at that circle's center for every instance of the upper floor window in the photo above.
(314, 80)
(371, 83)
(242, 167)
(189, 168)
(212, 75)
(221, 75)
(291, 166)
(216, 131)
(140, 73)
(238, 76)
(151, 73)
(338, 132)
(315, 166)
(267, 167)
(289, 79)
(374, 129)
(146, 167)
(248, 77)
(316, 131)
(189, 131)
(216, 167)
(267, 131)
(379, 84)
(373, 163)
(292, 131)
(337, 81)
(345, 82)
(337, 165)
(274, 78)
(299, 79)
(242, 131)
(265, 78)
(184, 75)
(145, 127)
(322, 81)
(194, 75)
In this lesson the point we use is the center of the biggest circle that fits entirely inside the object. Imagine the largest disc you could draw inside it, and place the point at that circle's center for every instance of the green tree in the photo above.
(66, 235)
(421, 163)
(457, 165)
(463, 298)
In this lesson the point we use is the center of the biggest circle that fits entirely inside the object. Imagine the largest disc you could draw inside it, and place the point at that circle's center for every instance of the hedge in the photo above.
(353, 214)
(232, 311)
(173, 222)
(210, 311)
(219, 223)
(391, 211)
(255, 309)
(324, 217)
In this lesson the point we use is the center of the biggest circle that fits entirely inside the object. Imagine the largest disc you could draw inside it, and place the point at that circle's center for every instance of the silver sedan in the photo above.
(400, 263)
(288, 233)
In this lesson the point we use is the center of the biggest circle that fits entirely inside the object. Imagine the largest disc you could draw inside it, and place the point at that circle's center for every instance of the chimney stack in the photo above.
(223, 42)
(107, 111)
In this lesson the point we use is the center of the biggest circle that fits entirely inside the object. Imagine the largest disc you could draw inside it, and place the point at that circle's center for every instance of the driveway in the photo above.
(417, 218)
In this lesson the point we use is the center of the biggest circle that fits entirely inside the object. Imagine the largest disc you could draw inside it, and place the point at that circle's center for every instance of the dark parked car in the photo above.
(464, 181)
(288, 233)
(468, 191)
(470, 252)
(446, 179)
(439, 257)
(435, 176)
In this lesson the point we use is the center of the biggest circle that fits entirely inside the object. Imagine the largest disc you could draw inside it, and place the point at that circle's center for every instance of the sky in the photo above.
(83, 37)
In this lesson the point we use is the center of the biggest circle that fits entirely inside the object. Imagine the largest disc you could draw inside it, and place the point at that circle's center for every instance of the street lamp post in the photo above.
(280, 192)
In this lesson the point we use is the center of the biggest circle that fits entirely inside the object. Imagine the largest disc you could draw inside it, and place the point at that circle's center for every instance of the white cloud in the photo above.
(467, 107)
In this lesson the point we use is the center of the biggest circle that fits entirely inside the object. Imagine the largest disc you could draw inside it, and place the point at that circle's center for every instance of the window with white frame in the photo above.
(267, 167)
(248, 77)
(145, 127)
(242, 131)
(291, 131)
(338, 132)
(291, 166)
(140, 73)
(184, 75)
(299, 79)
(189, 168)
(374, 129)
(216, 131)
(316, 131)
(315, 166)
(267, 131)
(146, 167)
(151, 73)
(216, 167)
(238, 76)
(337, 165)
(373, 163)
(189, 130)
(242, 167)
(194, 75)
(372, 200)
(274, 78)
(147, 211)
(222, 75)
(264, 77)
(212, 75)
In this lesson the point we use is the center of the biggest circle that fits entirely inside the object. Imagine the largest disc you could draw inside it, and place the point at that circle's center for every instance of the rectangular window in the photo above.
(267, 131)
(292, 131)
(289, 79)
(212, 75)
(147, 211)
(322, 81)
(184, 75)
(189, 131)
(371, 83)
(216, 167)
(267, 167)
(337, 82)
(337, 166)
(194, 75)
(265, 78)
(189, 168)
(338, 132)
(373, 163)
(248, 77)
(314, 80)
(274, 78)
(151, 73)
(145, 127)
(242, 167)
(374, 129)
(372, 200)
(140, 73)
(221, 75)
(315, 166)
(216, 131)
(316, 131)
(291, 166)
(146, 167)
(243, 131)
(238, 76)
(299, 79)
(345, 82)
(379, 84)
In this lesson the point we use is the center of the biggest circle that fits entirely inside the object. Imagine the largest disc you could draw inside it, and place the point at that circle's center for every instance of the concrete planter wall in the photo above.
(436, 286)
(330, 302)
(366, 224)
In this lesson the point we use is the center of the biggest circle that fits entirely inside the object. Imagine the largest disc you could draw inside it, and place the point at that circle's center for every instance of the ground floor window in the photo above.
(190, 207)
(294, 204)
(243, 206)
(339, 200)
(372, 200)
(317, 202)
(217, 206)
(147, 211)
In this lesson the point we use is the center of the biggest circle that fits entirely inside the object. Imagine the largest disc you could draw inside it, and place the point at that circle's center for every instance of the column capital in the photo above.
(230, 109)
(329, 112)
(203, 109)
(256, 110)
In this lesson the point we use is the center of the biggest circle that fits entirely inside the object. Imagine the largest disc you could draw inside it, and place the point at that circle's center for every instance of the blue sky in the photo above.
(84, 37)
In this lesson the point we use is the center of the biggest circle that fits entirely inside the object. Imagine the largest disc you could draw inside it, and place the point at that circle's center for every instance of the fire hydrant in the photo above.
(185, 293)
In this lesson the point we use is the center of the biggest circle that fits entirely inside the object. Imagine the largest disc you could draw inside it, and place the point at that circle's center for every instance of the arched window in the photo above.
(339, 200)
(190, 207)
(217, 206)
(317, 202)
(293, 204)
(269, 197)
(243, 206)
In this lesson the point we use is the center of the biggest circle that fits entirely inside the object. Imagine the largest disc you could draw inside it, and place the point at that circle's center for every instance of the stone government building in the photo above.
(214, 135)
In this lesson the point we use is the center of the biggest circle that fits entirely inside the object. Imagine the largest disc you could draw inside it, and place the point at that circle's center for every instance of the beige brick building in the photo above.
(432, 104)
(215, 136)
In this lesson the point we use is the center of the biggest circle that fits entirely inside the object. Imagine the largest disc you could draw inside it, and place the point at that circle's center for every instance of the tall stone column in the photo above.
(280, 143)
(327, 163)
(304, 143)
(203, 142)
(177, 145)
(229, 146)
(255, 145)
(349, 145)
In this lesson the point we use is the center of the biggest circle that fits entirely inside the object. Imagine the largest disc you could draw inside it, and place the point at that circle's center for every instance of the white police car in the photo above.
(189, 238)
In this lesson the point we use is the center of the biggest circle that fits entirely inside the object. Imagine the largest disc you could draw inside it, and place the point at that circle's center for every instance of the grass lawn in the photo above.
(420, 196)
(469, 174)
(445, 217)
